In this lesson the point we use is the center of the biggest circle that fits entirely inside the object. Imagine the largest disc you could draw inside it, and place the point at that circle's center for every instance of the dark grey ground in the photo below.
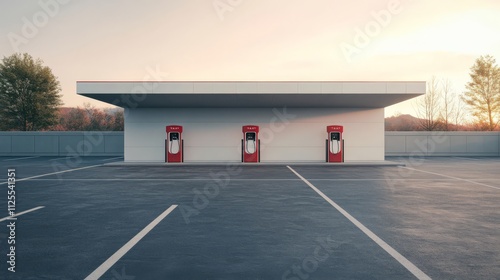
(256, 222)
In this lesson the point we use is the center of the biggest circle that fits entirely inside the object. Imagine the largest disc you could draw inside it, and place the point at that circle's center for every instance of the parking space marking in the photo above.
(462, 160)
(157, 179)
(276, 179)
(391, 251)
(53, 173)
(22, 213)
(108, 159)
(105, 266)
(452, 177)
(12, 159)
(52, 159)
(473, 159)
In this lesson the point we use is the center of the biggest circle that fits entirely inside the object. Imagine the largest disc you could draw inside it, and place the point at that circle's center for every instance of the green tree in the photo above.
(483, 92)
(29, 94)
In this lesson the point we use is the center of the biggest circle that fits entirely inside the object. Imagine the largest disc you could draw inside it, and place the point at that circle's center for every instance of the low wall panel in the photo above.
(443, 143)
(23, 144)
(111, 143)
(61, 143)
(47, 145)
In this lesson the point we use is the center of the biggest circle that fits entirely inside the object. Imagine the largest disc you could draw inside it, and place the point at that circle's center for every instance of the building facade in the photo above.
(292, 117)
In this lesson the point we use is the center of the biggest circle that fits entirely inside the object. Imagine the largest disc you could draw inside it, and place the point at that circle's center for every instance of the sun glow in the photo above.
(460, 33)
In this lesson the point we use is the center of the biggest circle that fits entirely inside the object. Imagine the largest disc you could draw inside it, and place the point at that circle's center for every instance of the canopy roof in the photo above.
(250, 94)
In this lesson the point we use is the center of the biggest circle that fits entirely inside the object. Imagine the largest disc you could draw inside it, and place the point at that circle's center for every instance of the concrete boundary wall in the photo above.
(442, 143)
(111, 143)
(61, 143)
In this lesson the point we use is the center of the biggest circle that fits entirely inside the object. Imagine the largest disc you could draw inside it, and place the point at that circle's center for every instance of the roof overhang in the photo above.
(251, 94)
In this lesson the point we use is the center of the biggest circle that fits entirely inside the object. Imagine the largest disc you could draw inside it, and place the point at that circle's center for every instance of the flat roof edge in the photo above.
(252, 94)
(239, 81)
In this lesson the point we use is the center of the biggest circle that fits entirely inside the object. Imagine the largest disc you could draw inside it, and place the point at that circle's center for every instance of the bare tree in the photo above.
(75, 120)
(427, 106)
(458, 113)
(118, 120)
(448, 103)
(97, 118)
(90, 118)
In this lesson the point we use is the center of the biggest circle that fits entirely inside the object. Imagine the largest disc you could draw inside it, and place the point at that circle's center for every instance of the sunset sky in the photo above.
(272, 40)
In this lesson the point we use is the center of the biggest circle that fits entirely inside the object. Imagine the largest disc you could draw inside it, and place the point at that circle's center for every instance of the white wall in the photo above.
(291, 135)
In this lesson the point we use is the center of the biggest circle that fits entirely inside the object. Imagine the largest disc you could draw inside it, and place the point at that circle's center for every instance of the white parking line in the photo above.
(108, 159)
(249, 180)
(12, 159)
(123, 250)
(158, 179)
(473, 159)
(53, 173)
(395, 254)
(61, 158)
(22, 213)
(452, 177)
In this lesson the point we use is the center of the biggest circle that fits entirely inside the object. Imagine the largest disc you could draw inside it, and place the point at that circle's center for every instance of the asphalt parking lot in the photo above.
(435, 218)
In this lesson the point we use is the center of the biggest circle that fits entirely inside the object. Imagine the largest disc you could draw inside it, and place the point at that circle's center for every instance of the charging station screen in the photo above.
(174, 136)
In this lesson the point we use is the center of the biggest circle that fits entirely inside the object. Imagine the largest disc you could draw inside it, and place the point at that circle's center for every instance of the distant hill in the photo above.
(402, 123)
(411, 123)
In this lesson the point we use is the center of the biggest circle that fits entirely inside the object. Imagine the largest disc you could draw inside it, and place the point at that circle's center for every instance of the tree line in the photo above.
(477, 108)
(30, 100)
(89, 118)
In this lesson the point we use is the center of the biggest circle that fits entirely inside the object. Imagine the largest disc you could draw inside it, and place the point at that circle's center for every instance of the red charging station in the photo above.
(174, 145)
(250, 144)
(335, 143)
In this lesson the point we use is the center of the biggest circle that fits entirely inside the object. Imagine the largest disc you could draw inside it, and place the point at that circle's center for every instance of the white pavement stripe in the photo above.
(52, 159)
(158, 179)
(12, 159)
(108, 159)
(395, 254)
(464, 158)
(22, 213)
(452, 177)
(208, 179)
(53, 173)
(123, 250)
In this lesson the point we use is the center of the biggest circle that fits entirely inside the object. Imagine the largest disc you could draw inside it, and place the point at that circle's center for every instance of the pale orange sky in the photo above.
(252, 40)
